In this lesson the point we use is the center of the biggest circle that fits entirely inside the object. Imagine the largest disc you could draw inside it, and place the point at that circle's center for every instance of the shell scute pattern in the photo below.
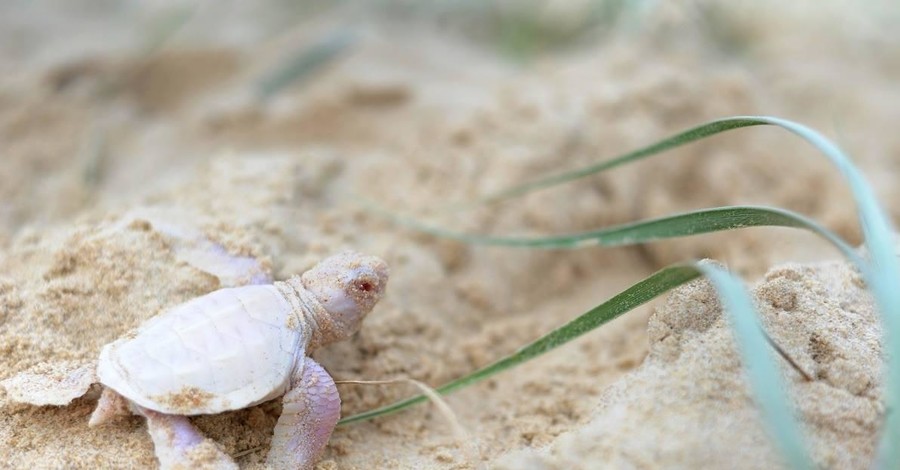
(219, 344)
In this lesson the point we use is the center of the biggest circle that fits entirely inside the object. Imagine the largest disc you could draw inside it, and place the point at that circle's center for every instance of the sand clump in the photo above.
(688, 405)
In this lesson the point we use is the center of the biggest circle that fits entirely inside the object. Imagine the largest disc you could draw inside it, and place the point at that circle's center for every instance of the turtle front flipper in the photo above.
(178, 444)
(51, 383)
(110, 406)
(310, 411)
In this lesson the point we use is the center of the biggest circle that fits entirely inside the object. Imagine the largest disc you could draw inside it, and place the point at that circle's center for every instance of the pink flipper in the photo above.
(178, 444)
(310, 411)
(110, 406)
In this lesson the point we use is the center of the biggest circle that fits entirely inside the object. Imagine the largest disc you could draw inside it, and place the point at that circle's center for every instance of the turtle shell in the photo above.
(229, 349)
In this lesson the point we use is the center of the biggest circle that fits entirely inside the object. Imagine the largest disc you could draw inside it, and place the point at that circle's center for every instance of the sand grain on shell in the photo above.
(186, 400)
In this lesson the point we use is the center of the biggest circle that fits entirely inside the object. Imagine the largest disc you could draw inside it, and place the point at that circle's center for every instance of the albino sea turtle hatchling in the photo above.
(226, 350)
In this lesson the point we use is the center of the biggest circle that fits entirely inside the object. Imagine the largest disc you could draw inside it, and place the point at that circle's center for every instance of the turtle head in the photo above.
(348, 286)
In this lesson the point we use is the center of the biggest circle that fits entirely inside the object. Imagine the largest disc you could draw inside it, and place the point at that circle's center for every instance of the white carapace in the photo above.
(231, 349)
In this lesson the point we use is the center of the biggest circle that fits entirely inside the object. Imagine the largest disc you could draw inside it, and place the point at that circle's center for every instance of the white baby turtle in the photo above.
(226, 350)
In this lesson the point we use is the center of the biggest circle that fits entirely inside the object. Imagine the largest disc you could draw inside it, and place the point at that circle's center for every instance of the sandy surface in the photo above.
(132, 178)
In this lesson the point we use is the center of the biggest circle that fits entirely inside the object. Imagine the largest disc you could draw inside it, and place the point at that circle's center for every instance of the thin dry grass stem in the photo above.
(249, 451)
(462, 435)
(786, 357)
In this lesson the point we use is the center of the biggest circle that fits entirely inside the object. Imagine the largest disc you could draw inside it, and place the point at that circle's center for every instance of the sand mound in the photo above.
(688, 405)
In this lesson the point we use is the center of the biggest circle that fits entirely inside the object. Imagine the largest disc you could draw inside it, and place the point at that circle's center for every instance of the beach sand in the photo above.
(135, 178)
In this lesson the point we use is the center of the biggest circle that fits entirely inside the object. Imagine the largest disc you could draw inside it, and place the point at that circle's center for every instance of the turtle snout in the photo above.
(371, 277)
(348, 286)
(368, 280)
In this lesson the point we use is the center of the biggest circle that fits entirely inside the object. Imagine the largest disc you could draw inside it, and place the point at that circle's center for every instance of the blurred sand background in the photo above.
(134, 143)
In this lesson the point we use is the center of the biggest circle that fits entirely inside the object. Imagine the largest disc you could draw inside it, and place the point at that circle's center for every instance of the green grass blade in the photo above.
(679, 225)
(683, 138)
(636, 295)
(305, 62)
(762, 372)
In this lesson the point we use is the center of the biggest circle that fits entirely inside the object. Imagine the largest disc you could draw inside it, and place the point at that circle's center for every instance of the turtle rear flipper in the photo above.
(51, 383)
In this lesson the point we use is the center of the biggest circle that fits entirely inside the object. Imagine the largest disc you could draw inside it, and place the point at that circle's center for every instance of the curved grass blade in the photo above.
(764, 376)
(638, 294)
(691, 135)
(679, 225)
(882, 273)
